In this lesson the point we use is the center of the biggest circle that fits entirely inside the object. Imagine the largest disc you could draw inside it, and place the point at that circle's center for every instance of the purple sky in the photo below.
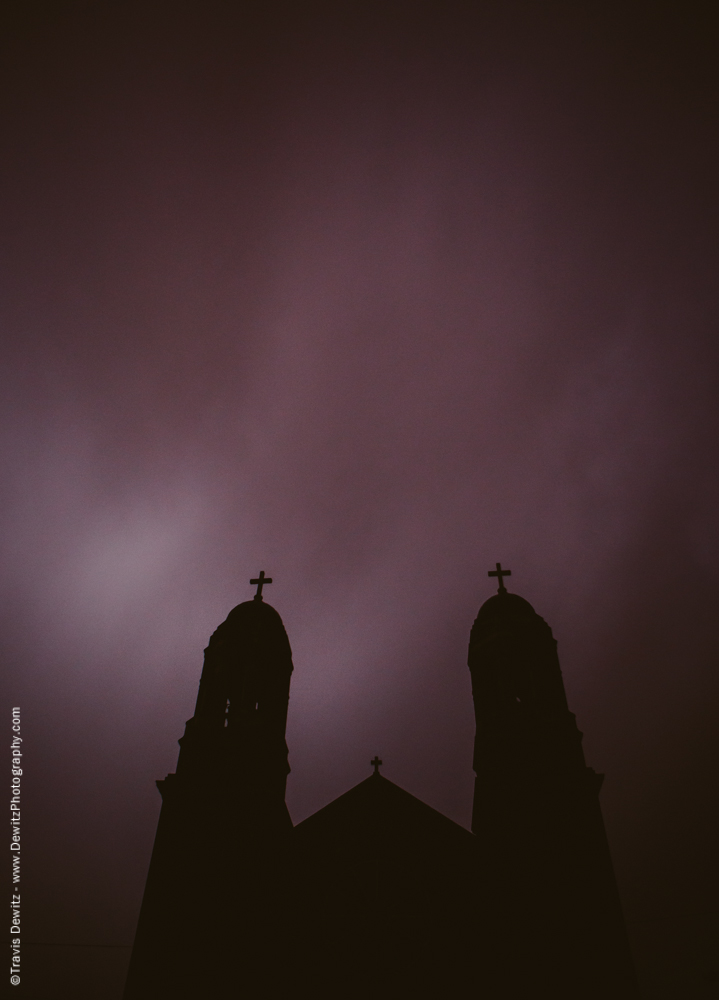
(368, 296)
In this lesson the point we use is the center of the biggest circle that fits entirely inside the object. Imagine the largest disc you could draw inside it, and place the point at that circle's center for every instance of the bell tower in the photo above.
(536, 813)
(236, 737)
(212, 900)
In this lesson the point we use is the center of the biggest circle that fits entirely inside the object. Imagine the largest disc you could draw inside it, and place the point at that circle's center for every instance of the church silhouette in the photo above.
(377, 894)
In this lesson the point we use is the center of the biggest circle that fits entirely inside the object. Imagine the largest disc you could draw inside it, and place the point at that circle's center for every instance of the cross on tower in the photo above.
(499, 573)
(376, 764)
(260, 581)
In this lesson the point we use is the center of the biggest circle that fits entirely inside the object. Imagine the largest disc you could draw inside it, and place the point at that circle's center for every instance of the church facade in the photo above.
(378, 894)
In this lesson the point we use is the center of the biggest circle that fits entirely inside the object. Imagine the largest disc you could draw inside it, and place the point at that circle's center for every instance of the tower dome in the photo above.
(505, 604)
(252, 623)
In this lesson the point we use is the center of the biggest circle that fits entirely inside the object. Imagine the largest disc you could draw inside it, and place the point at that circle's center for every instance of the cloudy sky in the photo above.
(368, 296)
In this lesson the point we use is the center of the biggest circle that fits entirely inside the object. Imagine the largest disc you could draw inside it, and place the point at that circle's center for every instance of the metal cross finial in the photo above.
(499, 573)
(260, 581)
(376, 764)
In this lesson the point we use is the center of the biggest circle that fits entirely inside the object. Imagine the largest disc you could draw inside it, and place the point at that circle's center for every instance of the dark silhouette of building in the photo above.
(215, 888)
(536, 811)
(378, 894)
